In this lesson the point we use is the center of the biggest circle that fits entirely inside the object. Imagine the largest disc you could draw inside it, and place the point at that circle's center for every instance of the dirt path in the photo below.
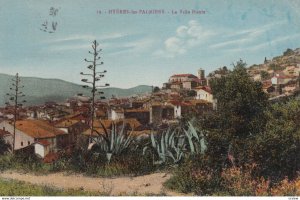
(141, 185)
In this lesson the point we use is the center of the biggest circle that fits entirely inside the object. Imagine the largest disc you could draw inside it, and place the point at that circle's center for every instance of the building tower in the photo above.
(201, 74)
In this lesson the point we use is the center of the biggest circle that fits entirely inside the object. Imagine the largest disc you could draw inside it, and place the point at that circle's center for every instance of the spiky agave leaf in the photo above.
(153, 141)
(114, 142)
(193, 131)
(112, 139)
(166, 139)
(162, 144)
(203, 145)
(191, 144)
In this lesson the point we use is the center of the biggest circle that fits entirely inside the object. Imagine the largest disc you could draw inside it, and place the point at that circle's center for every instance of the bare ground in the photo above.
(141, 185)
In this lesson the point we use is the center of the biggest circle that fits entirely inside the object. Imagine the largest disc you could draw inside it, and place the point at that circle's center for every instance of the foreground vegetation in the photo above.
(247, 147)
(18, 188)
(253, 147)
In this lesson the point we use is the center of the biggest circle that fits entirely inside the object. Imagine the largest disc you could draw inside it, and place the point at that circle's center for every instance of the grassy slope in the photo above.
(18, 188)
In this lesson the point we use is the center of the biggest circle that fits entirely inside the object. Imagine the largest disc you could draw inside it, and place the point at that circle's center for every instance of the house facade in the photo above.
(29, 132)
(204, 93)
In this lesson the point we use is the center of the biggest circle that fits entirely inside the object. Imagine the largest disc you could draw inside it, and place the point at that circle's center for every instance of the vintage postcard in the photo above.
(149, 98)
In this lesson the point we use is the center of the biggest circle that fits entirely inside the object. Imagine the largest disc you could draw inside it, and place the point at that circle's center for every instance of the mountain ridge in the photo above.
(40, 90)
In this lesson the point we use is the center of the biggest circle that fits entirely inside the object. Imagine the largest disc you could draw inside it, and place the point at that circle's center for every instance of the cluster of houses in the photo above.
(52, 127)
(278, 83)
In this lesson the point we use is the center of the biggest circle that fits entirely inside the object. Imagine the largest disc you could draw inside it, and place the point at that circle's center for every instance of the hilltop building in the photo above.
(186, 81)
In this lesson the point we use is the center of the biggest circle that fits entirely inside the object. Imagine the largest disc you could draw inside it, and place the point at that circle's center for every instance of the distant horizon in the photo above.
(143, 42)
(70, 81)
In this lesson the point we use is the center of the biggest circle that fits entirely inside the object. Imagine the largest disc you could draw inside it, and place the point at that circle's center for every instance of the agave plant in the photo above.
(168, 145)
(175, 144)
(196, 139)
(115, 141)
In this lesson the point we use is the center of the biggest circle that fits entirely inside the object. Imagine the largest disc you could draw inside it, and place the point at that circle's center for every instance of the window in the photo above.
(21, 143)
(28, 142)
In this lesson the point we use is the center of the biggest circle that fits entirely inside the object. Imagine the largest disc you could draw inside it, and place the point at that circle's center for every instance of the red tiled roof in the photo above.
(67, 123)
(132, 122)
(184, 75)
(38, 128)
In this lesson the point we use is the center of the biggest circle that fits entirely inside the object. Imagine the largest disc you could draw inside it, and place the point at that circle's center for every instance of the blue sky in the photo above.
(143, 48)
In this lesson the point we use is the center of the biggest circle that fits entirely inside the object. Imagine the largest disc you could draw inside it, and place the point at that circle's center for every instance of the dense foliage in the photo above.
(277, 149)
(4, 147)
(239, 117)
(253, 148)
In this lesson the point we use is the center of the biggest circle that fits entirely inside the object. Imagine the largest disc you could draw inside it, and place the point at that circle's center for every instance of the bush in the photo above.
(23, 162)
(277, 150)
(287, 188)
(240, 182)
(6, 162)
(197, 178)
(4, 147)
(130, 164)
(194, 176)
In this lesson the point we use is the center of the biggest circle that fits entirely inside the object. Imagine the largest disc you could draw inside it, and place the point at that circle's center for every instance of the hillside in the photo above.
(288, 58)
(39, 90)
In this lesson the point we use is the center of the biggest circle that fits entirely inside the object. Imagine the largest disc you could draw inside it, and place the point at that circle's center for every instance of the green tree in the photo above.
(156, 89)
(277, 150)
(241, 101)
(288, 52)
(240, 115)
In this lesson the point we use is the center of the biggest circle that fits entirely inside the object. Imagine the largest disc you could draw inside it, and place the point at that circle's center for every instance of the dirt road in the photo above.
(142, 185)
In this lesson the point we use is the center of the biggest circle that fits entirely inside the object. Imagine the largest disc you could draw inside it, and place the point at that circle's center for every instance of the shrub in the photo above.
(194, 176)
(23, 162)
(287, 188)
(236, 181)
(4, 147)
(277, 150)
(6, 162)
